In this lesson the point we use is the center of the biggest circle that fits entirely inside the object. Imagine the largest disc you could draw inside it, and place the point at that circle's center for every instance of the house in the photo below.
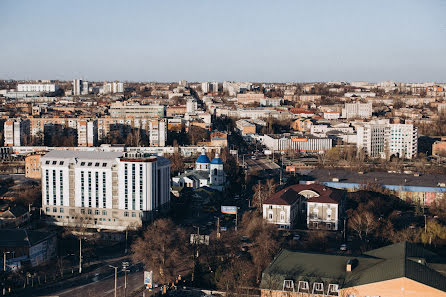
(13, 216)
(23, 247)
(206, 174)
(319, 206)
(401, 269)
(282, 208)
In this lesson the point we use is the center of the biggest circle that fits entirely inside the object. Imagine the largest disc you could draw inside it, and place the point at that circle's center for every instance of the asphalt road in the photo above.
(104, 287)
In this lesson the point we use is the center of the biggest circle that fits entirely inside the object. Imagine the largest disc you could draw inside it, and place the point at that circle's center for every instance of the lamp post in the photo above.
(4, 260)
(116, 278)
(125, 265)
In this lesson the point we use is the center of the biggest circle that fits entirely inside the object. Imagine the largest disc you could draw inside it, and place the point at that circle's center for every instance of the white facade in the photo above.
(77, 87)
(358, 110)
(158, 132)
(205, 87)
(87, 132)
(15, 132)
(297, 143)
(37, 88)
(282, 215)
(103, 190)
(381, 139)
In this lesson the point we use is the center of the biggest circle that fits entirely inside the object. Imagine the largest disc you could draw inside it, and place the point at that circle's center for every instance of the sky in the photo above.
(236, 40)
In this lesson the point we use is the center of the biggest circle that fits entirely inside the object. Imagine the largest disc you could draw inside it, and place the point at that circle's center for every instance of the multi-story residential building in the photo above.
(245, 127)
(439, 148)
(77, 87)
(87, 132)
(32, 165)
(205, 87)
(123, 109)
(400, 269)
(15, 132)
(42, 88)
(301, 143)
(250, 98)
(358, 110)
(158, 132)
(379, 138)
(103, 190)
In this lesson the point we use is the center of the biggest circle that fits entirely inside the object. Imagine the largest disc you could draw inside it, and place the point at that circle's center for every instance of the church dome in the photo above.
(217, 160)
(203, 159)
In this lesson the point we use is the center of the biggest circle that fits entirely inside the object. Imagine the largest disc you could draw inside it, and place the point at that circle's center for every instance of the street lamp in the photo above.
(4, 260)
(125, 265)
(116, 278)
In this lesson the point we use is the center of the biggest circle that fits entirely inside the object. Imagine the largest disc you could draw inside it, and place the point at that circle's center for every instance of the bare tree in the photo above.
(163, 248)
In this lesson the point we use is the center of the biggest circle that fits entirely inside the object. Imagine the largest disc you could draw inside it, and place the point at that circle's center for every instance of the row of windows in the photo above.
(54, 162)
(97, 164)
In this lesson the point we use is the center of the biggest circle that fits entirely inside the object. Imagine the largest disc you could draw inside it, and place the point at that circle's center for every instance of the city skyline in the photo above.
(203, 41)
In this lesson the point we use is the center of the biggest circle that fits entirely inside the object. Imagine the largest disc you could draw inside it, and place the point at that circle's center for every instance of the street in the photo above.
(104, 286)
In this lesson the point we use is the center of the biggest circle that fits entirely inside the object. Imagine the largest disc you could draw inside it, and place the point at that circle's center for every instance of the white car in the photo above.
(343, 247)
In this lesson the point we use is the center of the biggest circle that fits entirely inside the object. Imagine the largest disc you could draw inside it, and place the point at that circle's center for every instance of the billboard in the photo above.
(295, 139)
(290, 168)
(148, 276)
(229, 209)
(267, 152)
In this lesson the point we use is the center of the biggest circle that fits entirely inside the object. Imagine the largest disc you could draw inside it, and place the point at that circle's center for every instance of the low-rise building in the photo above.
(401, 269)
(32, 165)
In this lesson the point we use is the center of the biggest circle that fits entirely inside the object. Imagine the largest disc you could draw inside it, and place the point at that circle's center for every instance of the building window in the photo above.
(89, 188)
(47, 209)
(104, 212)
(82, 189)
(96, 187)
(54, 209)
(96, 212)
(82, 211)
(47, 185)
(141, 182)
(54, 187)
(90, 211)
(126, 189)
(126, 213)
(282, 216)
(270, 216)
(61, 210)
(61, 186)
(133, 186)
(104, 190)
(133, 215)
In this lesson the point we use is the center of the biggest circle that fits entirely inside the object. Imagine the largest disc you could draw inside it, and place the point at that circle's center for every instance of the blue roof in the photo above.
(203, 159)
(217, 161)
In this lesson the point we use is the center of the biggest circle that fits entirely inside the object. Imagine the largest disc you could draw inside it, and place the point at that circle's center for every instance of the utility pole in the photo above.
(116, 279)
(80, 255)
(126, 234)
(425, 224)
(218, 227)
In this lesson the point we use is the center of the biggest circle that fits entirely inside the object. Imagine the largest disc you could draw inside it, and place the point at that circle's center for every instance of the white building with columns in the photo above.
(103, 190)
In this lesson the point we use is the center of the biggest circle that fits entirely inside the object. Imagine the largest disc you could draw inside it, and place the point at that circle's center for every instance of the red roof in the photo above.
(290, 195)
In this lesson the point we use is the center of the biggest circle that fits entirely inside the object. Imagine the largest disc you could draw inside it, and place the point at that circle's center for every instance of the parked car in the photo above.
(343, 247)
(296, 237)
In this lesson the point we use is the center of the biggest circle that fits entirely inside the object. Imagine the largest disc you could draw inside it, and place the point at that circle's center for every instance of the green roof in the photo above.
(394, 261)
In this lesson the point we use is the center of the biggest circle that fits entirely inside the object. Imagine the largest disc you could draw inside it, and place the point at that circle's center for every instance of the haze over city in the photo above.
(274, 41)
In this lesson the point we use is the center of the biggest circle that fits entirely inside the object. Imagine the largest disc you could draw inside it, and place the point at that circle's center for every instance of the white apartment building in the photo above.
(103, 190)
(358, 110)
(191, 106)
(158, 132)
(123, 109)
(48, 88)
(205, 87)
(87, 132)
(15, 132)
(380, 139)
(305, 144)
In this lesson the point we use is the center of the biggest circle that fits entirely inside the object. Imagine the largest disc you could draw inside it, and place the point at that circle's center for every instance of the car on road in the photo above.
(296, 237)
(343, 247)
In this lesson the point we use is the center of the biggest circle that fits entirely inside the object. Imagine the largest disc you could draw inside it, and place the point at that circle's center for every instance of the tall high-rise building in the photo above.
(205, 87)
(158, 132)
(15, 132)
(84, 89)
(103, 190)
(87, 132)
(77, 87)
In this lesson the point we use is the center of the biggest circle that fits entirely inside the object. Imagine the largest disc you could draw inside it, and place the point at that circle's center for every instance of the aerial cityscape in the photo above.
(204, 148)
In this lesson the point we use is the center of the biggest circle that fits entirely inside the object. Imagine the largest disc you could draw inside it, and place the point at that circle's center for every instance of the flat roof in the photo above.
(383, 178)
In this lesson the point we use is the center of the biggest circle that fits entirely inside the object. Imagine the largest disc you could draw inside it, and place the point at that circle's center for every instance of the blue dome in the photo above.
(217, 161)
(203, 159)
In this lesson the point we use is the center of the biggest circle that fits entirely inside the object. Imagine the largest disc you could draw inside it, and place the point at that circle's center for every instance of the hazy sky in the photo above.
(198, 40)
